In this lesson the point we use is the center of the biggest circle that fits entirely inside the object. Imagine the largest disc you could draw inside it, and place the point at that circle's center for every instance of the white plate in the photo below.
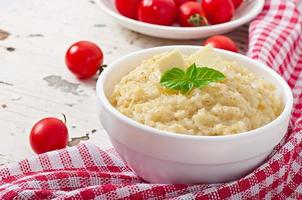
(249, 10)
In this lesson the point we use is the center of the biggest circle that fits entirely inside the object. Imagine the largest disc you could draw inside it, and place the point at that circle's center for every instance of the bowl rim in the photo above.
(233, 23)
(252, 133)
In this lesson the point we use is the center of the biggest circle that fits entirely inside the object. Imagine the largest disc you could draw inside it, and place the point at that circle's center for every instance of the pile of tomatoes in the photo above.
(188, 13)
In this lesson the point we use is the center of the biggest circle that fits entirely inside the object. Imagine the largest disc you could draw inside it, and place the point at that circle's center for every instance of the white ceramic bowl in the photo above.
(249, 10)
(163, 157)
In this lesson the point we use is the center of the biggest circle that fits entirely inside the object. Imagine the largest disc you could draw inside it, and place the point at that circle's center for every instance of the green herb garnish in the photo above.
(193, 77)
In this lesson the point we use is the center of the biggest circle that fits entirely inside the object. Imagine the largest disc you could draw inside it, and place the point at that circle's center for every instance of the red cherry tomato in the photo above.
(191, 14)
(180, 2)
(218, 11)
(84, 59)
(161, 12)
(222, 42)
(48, 134)
(237, 3)
(128, 8)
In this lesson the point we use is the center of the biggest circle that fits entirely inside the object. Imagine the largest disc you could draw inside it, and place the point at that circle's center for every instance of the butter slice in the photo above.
(170, 60)
(205, 57)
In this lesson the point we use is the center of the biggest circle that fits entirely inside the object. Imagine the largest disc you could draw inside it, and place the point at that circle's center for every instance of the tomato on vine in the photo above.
(191, 14)
(128, 8)
(218, 11)
(160, 12)
(84, 59)
(222, 42)
(48, 134)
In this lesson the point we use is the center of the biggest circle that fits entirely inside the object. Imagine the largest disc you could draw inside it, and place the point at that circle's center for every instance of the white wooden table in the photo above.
(34, 82)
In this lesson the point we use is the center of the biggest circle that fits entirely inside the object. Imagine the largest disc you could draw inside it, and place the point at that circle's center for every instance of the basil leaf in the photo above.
(193, 77)
(206, 76)
(191, 72)
(173, 78)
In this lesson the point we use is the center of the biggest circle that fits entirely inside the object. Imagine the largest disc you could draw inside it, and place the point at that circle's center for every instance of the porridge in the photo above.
(238, 103)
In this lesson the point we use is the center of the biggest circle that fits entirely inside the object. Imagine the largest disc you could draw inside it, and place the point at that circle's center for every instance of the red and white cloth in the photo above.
(86, 172)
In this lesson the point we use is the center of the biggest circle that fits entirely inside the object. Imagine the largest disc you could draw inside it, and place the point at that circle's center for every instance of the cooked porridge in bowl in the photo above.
(235, 102)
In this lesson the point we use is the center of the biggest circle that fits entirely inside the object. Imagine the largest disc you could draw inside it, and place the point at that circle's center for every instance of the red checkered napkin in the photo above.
(86, 172)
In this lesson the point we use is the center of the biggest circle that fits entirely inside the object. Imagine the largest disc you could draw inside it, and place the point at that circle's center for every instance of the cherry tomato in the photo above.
(180, 2)
(218, 11)
(191, 14)
(161, 12)
(84, 59)
(128, 8)
(222, 42)
(237, 3)
(48, 134)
